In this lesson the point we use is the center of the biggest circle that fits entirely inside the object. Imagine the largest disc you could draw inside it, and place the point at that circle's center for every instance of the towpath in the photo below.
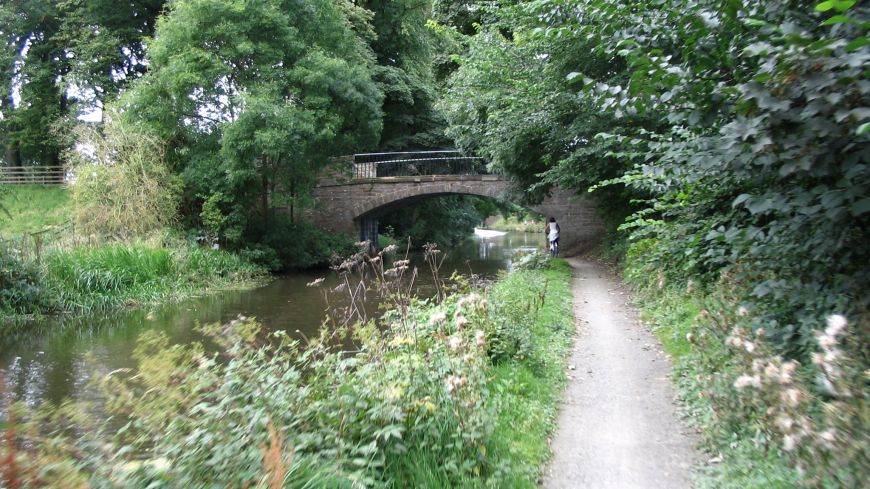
(618, 426)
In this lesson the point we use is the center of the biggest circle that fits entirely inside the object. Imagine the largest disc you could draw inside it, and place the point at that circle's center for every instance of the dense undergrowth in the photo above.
(458, 392)
(767, 419)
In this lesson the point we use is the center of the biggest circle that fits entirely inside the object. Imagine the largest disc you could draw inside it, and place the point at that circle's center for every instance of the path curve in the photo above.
(617, 426)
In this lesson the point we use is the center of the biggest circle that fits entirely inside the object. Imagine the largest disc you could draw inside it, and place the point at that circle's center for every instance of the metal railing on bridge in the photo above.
(416, 163)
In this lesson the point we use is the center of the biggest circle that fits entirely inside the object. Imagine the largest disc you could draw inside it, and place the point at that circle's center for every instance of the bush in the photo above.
(297, 245)
(21, 290)
(99, 277)
(123, 187)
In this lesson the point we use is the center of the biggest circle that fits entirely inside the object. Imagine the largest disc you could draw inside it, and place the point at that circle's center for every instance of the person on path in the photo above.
(552, 232)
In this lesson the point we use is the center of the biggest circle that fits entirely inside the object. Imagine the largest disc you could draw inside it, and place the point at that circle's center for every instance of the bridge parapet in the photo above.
(416, 163)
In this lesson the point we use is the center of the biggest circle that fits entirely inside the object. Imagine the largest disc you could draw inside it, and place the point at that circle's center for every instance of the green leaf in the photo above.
(861, 207)
(857, 43)
(837, 19)
(825, 6)
(863, 128)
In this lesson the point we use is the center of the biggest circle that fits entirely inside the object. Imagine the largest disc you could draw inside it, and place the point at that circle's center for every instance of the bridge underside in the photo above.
(353, 207)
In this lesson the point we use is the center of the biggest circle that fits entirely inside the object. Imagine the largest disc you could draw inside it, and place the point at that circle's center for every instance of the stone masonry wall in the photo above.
(342, 206)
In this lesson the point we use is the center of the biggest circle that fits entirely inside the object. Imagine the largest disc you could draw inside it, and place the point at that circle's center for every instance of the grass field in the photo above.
(32, 208)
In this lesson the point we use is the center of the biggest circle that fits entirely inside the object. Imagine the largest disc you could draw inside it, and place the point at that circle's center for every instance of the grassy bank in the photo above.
(742, 457)
(46, 268)
(69, 276)
(456, 393)
(33, 208)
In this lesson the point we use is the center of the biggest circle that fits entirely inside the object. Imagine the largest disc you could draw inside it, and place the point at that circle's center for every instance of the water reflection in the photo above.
(56, 358)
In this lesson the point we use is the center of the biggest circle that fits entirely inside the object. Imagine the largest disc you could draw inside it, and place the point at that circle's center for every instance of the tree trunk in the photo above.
(293, 202)
(265, 203)
(13, 153)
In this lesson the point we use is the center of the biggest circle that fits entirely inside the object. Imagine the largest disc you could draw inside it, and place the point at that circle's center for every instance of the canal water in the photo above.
(57, 358)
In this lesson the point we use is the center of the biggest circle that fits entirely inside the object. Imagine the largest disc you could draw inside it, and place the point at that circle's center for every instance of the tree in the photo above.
(742, 123)
(403, 47)
(255, 96)
(59, 57)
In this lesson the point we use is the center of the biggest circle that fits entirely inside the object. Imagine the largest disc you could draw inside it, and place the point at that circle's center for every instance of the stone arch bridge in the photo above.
(350, 201)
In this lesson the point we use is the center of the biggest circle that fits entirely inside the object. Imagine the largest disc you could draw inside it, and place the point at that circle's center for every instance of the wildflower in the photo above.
(340, 287)
(789, 442)
(480, 338)
(747, 381)
(771, 372)
(785, 423)
(390, 249)
(828, 437)
(453, 382)
(760, 332)
(742, 311)
(836, 324)
(455, 342)
(734, 341)
(375, 259)
(460, 322)
(401, 263)
(437, 318)
(817, 358)
(131, 466)
(826, 341)
(792, 397)
(160, 464)
(316, 283)
(750, 346)
(788, 371)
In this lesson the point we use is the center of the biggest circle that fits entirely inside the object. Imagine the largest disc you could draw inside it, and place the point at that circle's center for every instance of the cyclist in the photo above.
(552, 232)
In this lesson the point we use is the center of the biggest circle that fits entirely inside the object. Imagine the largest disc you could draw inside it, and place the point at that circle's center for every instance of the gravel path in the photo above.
(617, 427)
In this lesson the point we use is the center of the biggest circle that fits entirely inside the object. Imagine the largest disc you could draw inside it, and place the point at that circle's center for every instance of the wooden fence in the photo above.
(33, 175)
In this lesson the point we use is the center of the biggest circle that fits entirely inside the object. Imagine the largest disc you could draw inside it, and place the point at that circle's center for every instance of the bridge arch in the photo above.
(353, 207)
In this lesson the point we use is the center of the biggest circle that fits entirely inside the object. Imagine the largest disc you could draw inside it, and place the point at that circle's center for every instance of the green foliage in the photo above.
(46, 49)
(288, 245)
(757, 169)
(29, 209)
(531, 260)
(447, 219)
(83, 278)
(254, 98)
(123, 187)
(21, 290)
(418, 405)
(403, 47)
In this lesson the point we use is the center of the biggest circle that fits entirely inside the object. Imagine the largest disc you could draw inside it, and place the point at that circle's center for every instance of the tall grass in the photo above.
(33, 208)
(84, 277)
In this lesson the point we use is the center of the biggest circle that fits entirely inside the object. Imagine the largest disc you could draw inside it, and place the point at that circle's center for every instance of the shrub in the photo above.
(123, 187)
(21, 289)
(300, 245)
